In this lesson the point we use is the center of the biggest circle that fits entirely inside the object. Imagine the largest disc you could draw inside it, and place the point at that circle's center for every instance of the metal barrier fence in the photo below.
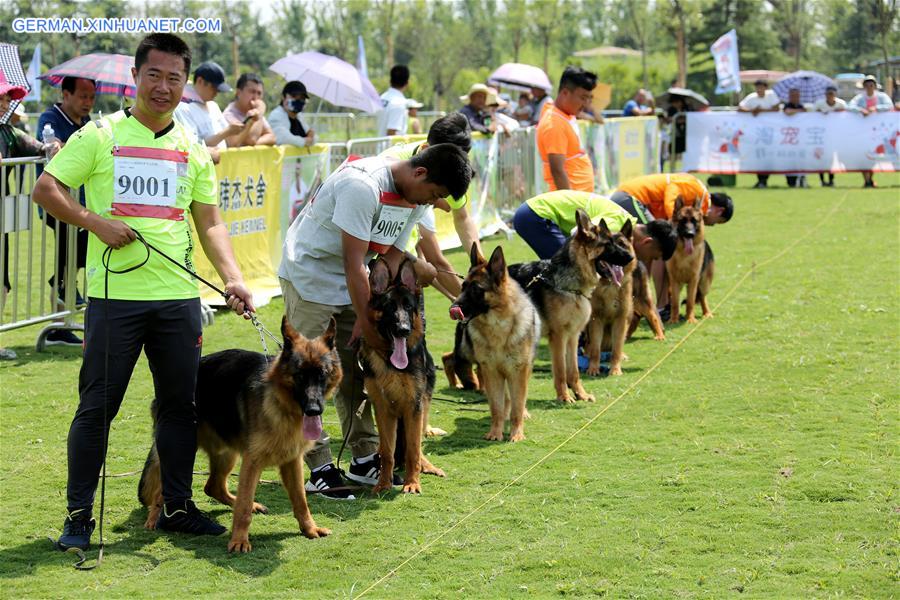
(30, 258)
(338, 127)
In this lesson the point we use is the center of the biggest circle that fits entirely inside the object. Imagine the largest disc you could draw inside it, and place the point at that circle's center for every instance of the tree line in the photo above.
(450, 44)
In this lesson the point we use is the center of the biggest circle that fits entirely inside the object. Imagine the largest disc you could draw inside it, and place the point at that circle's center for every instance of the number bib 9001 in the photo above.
(145, 182)
(395, 212)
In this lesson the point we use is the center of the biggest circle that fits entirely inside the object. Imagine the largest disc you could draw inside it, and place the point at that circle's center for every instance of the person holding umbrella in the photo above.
(14, 143)
(285, 118)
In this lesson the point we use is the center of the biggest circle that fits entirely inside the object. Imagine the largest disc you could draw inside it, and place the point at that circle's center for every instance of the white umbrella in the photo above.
(521, 75)
(331, 79)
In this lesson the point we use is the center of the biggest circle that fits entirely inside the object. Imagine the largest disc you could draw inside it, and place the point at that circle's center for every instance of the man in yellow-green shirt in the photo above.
(142, 172)
(546, 220)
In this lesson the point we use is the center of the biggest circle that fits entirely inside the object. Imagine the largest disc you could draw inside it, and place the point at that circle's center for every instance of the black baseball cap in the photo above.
(212, 73)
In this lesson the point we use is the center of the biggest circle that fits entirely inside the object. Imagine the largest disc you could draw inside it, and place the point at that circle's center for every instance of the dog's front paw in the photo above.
(381, 487)
(517, 436)
(239, 544)
(526, 415)
(412, 487)
(434, 431)
(660, 337)
(692, 319)
(313, 531)
(707, 315)
(565, 398)
(260, 508)
(583, 395)
(616, 370)
(494, 435)
(593, 369)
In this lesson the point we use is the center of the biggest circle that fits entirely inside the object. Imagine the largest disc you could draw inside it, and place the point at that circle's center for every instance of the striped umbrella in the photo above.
(811, 85)
(112, 72)
(12, 71)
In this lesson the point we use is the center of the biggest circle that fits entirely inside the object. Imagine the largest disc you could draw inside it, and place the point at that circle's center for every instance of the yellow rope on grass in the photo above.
(602, 411)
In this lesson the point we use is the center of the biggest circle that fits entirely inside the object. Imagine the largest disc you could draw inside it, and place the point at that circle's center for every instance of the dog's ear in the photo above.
(475, 257)
(603, 227)
(497, 266)
(330, 332)
(585, 227)
(627, 230)
(379, 276)
(406, 276)
(288, 333)
(679, 204)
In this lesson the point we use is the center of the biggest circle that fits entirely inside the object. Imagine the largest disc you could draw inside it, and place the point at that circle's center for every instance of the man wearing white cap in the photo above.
(868, 102)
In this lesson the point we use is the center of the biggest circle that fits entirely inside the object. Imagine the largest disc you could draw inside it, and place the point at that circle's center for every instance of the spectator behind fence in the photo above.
(205, 118)
(541, 100)
(415, 123)
(866, 103)
(566, 162)
(248, 108)
(830, 103)
(13, 144)
(285, 118)
(762, 100)
(524, 110)
(475, 108)
(65, 118)
(496, 107)
(792, 107)
(393, 118)
(639, 106)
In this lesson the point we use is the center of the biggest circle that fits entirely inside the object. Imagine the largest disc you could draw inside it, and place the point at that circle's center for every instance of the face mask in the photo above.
(296, 105)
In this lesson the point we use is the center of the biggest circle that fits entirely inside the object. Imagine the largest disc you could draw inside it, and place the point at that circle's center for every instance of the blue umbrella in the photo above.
(811, 85)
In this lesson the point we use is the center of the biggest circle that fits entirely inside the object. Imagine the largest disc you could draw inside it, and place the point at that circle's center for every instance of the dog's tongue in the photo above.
(312, 427)
(617, 275)
(456, 313)
(398, 356)
(689, 245)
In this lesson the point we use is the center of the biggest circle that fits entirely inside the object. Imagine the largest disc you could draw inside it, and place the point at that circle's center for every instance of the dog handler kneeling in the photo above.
(142, 172)
(367, 207)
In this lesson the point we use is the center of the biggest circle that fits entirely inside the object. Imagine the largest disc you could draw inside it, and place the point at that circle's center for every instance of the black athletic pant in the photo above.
(169, 332)
(62, 250)
(632, 206)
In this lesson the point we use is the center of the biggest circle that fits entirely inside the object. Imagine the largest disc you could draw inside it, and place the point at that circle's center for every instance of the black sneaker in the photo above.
(665, 312)
(368, 470)
(184, 517)
(62, 337)
(323, 481)
(77, 530)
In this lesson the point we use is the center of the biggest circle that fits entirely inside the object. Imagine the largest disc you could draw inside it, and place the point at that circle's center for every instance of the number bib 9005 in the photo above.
(395, 212)
(145, 182)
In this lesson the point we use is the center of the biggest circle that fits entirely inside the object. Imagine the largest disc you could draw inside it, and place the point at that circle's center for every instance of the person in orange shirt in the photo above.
(566, 162)
(657, 194)
(653, 197)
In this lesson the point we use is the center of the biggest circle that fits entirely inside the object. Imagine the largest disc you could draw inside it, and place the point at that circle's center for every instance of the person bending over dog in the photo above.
(547, 220)
(154, 308)
(653, 197)
(367, 207)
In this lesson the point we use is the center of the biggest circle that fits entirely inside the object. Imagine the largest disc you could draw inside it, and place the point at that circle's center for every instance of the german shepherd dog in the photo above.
(612, 304)
(502, 331)
(398, 381)
(644, 305)
(459, 364)
(686, 264)
(267, 410)
(560, 288)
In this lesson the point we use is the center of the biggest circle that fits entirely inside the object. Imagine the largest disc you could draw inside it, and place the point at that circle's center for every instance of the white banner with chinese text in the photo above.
(730, 142)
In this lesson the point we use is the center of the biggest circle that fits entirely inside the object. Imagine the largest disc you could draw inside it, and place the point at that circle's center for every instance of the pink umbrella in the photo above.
(331, 79)
(112, 72)
(518, 74)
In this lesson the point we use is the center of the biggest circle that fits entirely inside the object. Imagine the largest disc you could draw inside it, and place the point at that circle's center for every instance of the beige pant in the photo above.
(311, 319)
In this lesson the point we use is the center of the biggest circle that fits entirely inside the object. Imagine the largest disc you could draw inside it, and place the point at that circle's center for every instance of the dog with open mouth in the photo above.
(502, 329)
(399, 380)
(611, 303)
(686, 265)
(267, 411)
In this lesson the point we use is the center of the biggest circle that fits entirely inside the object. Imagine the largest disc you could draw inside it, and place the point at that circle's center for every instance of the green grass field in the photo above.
(755, 458)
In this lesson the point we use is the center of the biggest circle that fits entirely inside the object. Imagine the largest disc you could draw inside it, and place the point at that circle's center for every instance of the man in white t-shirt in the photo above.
(828, 104)
(205, 118)
(393, 117)
(760, 101)
(367, 207)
